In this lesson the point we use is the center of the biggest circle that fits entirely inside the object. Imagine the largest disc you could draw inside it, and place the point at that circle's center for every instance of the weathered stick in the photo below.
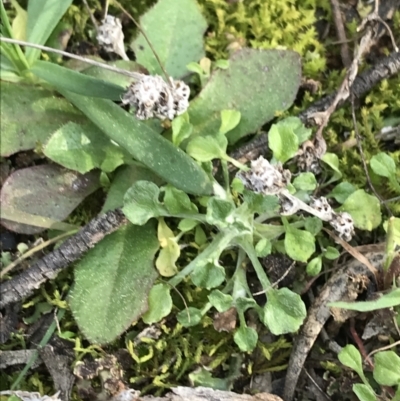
(71, 250)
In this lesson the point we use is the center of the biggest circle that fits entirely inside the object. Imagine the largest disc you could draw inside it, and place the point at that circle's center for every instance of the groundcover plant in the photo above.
(196, 265)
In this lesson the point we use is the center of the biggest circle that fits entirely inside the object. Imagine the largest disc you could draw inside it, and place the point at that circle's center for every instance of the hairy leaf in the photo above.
(43, 17)
(258, 83)
(284, 312)
(84, 147)
(169, 25)
(144, 144)
(29, 115)
(112, 282)
(46, 190)
(76, 82)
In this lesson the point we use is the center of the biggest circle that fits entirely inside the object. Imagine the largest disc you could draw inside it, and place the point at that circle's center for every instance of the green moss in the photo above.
(266, 25)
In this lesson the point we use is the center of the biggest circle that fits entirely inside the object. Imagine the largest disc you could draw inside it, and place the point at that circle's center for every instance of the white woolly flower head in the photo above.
(322, 206)
(343, 225)
(153, 97)
(111, 37)
(264, 177)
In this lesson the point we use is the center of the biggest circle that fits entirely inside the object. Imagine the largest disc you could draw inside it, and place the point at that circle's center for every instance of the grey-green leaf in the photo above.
(48, 191)
(29, 115)
(144, 144)
(112, 282)
(124, 178)
(168, 26)
(141, 202)
(258, 83)
(284, 312)
(76, 82)
(43, 17)
(160, 303)
(83, 147)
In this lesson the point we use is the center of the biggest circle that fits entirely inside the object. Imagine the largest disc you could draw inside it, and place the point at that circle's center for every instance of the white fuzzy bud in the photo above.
(153, 97)
(264, 177)
(322, 206)
(343, 225)
(111, 37)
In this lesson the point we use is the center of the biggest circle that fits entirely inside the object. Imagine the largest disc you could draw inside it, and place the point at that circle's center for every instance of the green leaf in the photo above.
(144, 144)
(76, 82)
(181, 129)
(351, 357)
(333, 162)
(200, 237)
(313, 225)
(263, 248)
(384, 165)
(209, 275)
(123, 179)
(29, 115)
(46, 192)
(294, 124)
(364, 209)
(84, 147)
(219, 211)
(207, 148)
(364, 392)
(388, 300)
(177, 201)
(43, 17)
(141, 203)
(112, 282)
(220, 301)
(175, 29)
(261, 204)
(160, 304)
(242, 304)
(387, 368)
(186, 225)
(189, 317)
(284, 312)
(299, 244)
(342, 191)
(203, 377)
(122, 81)
(257, 83)
(331, 253)
(283, 142)
(19, 22)
(170, 251)
(246, 338)
(229, 120)
(314, 266)
(305, 182)
(222, 64)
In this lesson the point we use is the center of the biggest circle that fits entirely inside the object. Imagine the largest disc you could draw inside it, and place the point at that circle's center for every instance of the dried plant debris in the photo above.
(269, 179)
(344, 285)
(28, 396)
(111, 37)
(152, 97)
(109, 372)
(225, 321)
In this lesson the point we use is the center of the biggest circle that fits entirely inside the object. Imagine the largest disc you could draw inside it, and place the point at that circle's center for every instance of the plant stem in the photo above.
(248, 247)
(42, 343)
(219, 243)
(134, 75)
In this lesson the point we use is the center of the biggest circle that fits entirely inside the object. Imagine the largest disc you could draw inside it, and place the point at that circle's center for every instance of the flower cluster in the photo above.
(269, 179)
(265, 178)
(110, 36)
(153, 97)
